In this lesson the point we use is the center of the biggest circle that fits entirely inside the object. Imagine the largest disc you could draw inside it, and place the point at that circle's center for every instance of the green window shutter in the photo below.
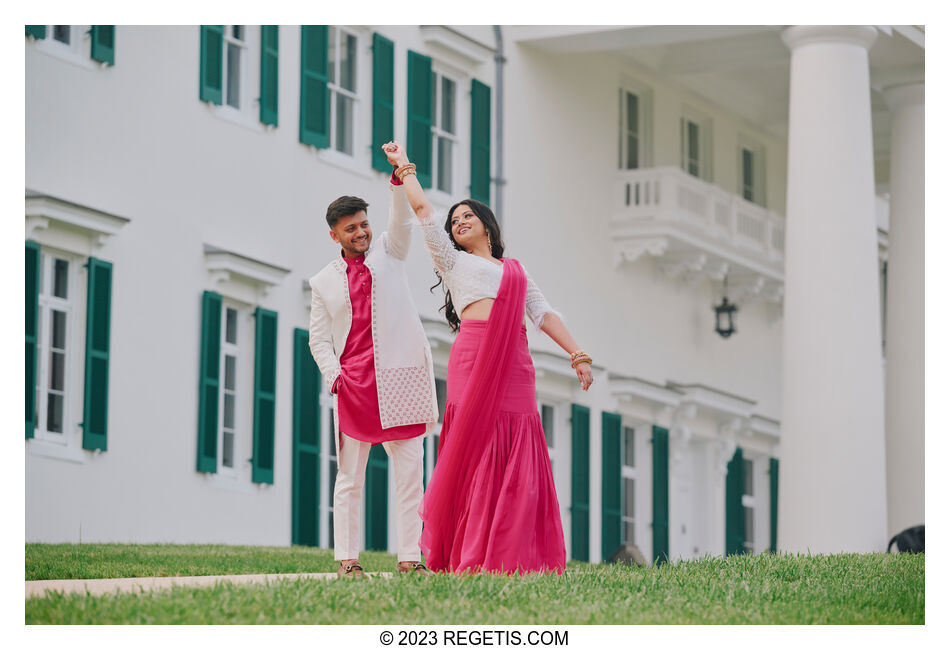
(269, 58)
(306, 444)
(735, 517)
(419, 131)
(383, 102)
(212, 55)
(265, 391)
(32, 330)
(314, 95)
(36, 31)
(611, 536)
(481, 142)
(209, 382)
(661, 494)
(98, 316)
(103, 43)
(773, 504)
(377, 499)
(580, 482)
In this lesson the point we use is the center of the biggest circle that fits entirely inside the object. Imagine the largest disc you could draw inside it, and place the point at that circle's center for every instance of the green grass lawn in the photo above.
(840, 589)
(72, 561)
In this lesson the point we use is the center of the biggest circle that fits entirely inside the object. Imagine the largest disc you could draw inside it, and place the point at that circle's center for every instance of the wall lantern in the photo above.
(725, 314)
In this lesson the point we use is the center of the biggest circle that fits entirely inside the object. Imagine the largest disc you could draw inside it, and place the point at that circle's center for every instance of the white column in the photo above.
(832, 495)
(905, 311)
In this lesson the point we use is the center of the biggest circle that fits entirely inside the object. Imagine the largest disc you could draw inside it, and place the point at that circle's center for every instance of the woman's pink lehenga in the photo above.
(491, 504)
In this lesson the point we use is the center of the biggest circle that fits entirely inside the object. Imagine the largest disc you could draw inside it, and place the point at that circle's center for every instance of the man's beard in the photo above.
(355, 251)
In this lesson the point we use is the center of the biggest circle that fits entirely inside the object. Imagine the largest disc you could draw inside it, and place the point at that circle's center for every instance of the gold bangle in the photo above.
(584, 359)
(407, 173)
(403, 168)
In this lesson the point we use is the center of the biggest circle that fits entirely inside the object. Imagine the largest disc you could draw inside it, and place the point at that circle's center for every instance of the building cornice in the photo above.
(44, 212)
(240, 276)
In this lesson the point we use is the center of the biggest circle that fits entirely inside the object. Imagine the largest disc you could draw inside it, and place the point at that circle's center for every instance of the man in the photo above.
(367, 339)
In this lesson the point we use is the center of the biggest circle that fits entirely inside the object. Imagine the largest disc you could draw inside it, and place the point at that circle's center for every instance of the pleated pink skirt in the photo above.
(506, 518)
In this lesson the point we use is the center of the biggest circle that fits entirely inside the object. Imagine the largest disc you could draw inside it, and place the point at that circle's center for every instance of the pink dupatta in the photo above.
(447, 496)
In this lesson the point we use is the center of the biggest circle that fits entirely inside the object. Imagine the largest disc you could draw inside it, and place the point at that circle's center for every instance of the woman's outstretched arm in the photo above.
(397, 157)
(437, 241)
(554, 327)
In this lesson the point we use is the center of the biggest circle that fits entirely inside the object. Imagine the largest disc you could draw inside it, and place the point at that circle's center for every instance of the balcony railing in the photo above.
(697, 230)
(668, 194)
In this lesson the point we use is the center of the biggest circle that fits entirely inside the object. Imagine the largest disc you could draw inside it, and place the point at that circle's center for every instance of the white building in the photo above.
(175, 208)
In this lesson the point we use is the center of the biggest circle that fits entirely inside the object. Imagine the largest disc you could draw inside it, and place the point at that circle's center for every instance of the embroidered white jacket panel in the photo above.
(470, 277)
(405, 381)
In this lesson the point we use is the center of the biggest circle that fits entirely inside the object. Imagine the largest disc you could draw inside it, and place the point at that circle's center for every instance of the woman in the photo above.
(491, 504)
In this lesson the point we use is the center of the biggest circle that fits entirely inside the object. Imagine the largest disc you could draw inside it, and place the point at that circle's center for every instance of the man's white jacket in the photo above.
(405, 382)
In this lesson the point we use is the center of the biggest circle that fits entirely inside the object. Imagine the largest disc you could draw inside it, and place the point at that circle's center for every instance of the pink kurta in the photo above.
(357, 399)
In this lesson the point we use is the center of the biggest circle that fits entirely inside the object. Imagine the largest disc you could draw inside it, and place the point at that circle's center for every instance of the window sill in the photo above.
(239, 117)
(347, 163)
(55, 450)
(66, 54)
(234, 483)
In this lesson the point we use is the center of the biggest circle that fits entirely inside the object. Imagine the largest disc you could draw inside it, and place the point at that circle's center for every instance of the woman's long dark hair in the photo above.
(487, 217)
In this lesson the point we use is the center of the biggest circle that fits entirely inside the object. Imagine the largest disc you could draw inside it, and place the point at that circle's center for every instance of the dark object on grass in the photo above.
(628, 554)
(910, 540)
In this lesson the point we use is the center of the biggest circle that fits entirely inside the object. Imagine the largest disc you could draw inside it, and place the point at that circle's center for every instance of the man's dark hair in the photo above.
(344, 207)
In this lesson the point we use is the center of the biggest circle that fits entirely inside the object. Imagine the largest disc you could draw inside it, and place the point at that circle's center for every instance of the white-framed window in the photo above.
(232, 336)
(635, 136)
(696, 144)
(630, 130)
(62, 34)
(749, 503)
(235, 65)
(342, 71)
(68, 234)
(445, 129)
(88, 46)
(57, 348)
(71, 43)
(628, 476)
(751, 171)
(240, 77)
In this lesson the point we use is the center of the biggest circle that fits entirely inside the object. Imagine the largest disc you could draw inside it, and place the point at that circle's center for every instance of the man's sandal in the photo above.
(417, 568)
(352, 570)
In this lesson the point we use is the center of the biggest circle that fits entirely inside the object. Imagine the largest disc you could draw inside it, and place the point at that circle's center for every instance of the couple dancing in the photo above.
(490, 505)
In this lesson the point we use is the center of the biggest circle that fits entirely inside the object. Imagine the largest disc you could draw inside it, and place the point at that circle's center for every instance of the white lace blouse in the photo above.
(470, 277)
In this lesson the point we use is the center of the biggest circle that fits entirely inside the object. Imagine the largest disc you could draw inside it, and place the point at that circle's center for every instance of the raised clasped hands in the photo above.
(395, 154)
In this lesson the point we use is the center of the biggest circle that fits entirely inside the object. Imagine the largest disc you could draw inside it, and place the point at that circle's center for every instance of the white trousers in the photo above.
(348, 495)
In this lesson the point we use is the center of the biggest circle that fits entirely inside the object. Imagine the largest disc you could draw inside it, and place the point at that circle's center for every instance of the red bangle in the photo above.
(394, 180)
